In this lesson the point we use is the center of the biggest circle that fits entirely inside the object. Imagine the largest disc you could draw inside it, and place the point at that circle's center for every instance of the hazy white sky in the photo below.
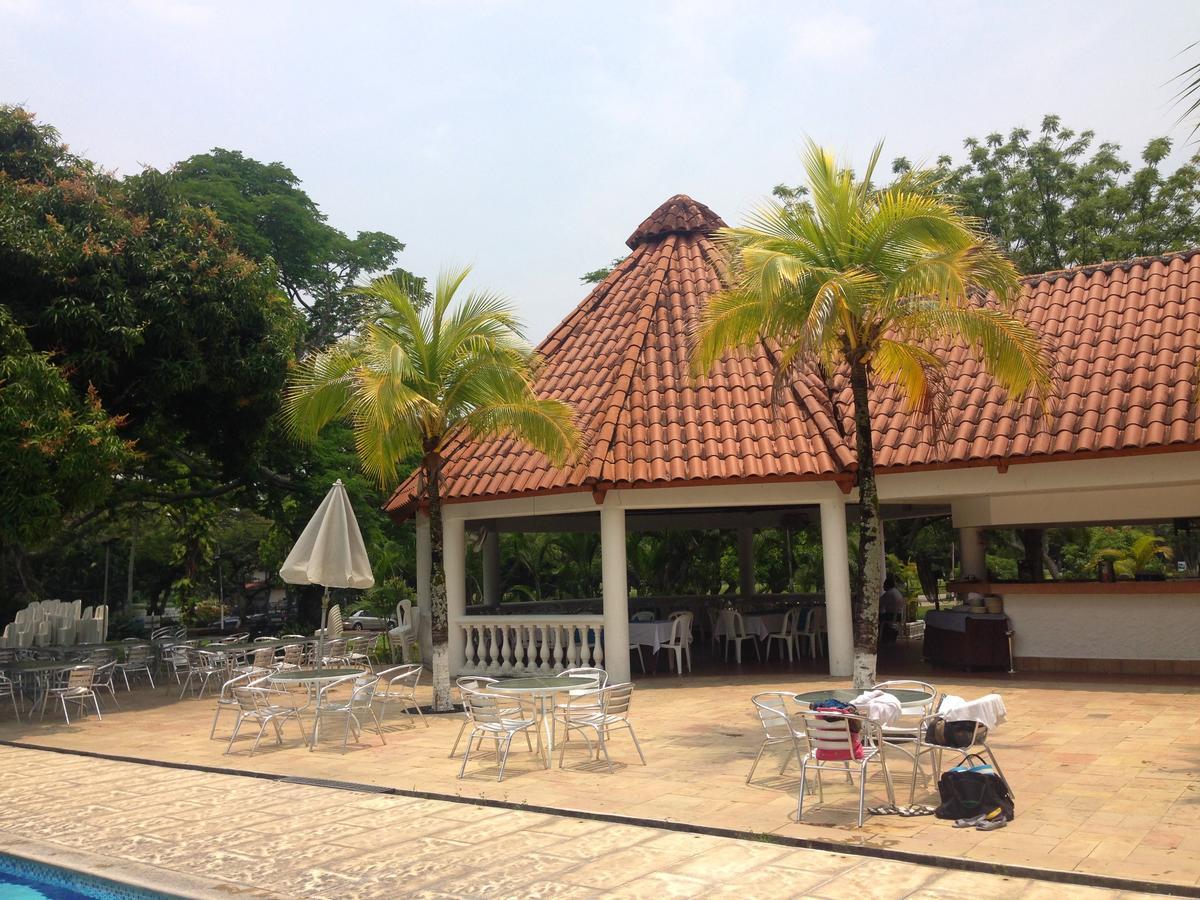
(531, 138)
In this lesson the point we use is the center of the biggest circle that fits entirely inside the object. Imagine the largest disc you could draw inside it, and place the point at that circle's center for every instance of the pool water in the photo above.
(24, 879)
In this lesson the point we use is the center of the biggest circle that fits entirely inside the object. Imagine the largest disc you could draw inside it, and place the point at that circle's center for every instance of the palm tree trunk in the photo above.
(870, 525)
(438, 617)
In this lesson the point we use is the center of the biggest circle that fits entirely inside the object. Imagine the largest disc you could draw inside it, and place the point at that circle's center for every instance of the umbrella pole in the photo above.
(324, 626)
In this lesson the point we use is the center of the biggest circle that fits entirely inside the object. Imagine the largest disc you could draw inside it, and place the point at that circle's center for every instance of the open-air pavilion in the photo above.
(666, 448)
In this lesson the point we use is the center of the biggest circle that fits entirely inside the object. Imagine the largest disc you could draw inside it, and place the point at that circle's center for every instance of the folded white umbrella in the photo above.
(330, 552)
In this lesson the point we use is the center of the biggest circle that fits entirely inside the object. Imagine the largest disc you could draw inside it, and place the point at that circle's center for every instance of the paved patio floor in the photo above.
(1106, 773)
(199, 834)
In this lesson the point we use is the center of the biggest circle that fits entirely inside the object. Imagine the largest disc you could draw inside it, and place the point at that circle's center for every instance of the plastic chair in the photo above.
(680, 641)
(775, 718)
(830, 738)
(733, 628)
(813, 633)
(786, 634)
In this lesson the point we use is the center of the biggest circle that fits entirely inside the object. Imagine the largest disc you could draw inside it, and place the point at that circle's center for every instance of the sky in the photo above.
(530, 139)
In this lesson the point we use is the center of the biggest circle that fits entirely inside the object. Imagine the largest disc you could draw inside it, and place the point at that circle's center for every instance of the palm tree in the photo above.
(1143, 555)
(409, 379)
(857, 280)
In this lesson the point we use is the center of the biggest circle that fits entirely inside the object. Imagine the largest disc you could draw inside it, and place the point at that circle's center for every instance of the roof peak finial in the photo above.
(678, 215)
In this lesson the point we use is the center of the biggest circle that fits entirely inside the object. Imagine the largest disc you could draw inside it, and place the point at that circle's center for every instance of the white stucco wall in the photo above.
(1104, 626)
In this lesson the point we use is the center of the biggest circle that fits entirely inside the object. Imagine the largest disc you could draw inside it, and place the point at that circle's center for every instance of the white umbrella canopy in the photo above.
(330, 553)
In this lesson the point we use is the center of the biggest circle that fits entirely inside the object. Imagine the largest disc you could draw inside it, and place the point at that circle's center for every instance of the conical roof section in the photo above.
(679, 215)
(621, 360)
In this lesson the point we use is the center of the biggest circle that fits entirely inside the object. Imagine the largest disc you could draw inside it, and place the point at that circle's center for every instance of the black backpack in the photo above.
(968, 791)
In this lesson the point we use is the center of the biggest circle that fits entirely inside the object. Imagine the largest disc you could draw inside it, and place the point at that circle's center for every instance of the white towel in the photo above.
(988, 709)
(878, 706)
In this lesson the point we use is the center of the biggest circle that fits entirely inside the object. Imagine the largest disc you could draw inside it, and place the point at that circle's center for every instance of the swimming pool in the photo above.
(24, 879)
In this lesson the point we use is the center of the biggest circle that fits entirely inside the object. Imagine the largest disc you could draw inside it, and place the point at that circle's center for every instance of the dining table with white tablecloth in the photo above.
(757, 625)
(650, 634)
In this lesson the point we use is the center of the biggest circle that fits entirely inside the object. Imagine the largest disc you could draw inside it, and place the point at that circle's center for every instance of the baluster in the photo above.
(489, 632)
(468, 637)
(519, 647)
(505, 665)
(561, 660)
(598, 647)
(573, 646)
(544, 650)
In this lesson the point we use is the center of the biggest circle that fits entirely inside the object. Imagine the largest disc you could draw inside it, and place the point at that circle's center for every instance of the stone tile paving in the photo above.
(1106, 773)
(217, 835)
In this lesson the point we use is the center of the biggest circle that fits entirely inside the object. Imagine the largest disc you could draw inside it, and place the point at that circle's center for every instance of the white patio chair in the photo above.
(75, 686)
(360, 704)
(227, 700)
(254, 704)
(787, 635)
(775, 717)
(614, 702)
(137, 659)
(812, 634)
(733, 628)
(475, 684)
(680, 642)
(643, 615)
(491, 719)
(398, 685)
(829, 732)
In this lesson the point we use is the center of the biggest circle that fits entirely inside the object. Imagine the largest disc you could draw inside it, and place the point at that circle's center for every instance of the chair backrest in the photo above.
(681, 628)
(475, 683)
(81, 677)
(402, 610)
(791, 620)
(249, 699)
(773, 713)
(486, 709)
(104, 671)
(406, 675)
(293, 654)
(263, 658)
(599, 676)
(263, 640)
(734, 625)
(831, 731)
(138, 655)
(335, 648)
(920, 708)
(616, 699)
(816, 620)
(642, 615)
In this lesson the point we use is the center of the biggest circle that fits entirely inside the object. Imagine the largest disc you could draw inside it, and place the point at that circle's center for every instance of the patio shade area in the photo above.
(1105, 773)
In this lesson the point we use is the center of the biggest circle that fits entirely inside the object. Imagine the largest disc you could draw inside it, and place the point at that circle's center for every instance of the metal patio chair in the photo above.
(775, 718)
(830, 738)
(491, 720)
(398, 685)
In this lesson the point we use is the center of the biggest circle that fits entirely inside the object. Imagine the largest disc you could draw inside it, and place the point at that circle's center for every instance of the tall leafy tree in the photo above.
(274, 218)
(1057, 199)
(408, 380)
(857, 281)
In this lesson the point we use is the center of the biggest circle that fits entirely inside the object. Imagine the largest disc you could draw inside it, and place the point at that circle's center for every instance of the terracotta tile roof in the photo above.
(1125, 337)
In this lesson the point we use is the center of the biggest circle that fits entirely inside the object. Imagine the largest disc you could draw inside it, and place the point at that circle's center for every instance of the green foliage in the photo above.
(60, 449)
(598, 275)
(1057, 199)
(274, 219)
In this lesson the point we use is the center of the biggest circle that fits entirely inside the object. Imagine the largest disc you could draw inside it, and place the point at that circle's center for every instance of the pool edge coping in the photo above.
(962, 864)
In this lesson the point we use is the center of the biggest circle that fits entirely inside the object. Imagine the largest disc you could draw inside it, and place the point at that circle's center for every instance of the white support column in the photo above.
(746, 582)
(616, 592)
(490, 553)
(454, 558)
(974, 563)
(839, 615)
(424, 567)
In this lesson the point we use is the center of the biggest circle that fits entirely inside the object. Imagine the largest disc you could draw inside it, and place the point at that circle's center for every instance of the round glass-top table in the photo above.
(541, 688)
(907, 697)
(313, 676)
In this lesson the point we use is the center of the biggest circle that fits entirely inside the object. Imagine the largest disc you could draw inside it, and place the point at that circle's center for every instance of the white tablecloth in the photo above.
(650, 634)
(756, 625)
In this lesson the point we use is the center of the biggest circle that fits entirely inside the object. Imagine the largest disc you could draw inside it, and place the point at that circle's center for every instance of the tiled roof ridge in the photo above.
(679, 214)
(1111, 265)
(618, 400)
(839, 450)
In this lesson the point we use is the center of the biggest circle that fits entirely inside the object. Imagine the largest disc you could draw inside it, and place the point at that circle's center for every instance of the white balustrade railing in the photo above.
(530, 645)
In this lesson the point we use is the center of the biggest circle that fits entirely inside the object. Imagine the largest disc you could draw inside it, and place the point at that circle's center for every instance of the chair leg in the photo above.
(803, 785)
(466, 755)
(761, 748)
(636, 745)
(461, 729)
(504, 758)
